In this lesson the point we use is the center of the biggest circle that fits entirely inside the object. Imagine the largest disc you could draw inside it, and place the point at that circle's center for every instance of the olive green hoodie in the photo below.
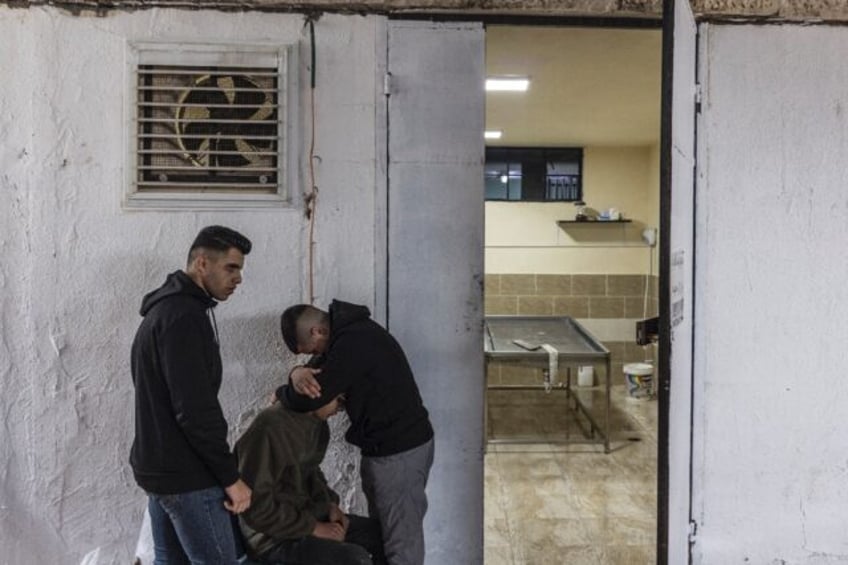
(279, 457)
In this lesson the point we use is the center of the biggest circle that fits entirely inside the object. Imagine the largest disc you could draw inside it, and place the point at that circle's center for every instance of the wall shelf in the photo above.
(592, 222)
(602, 233)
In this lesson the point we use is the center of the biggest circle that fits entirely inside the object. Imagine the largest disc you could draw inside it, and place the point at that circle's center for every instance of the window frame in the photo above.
(523, 155)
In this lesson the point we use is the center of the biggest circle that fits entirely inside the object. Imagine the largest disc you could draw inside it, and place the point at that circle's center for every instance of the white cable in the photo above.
(553, 366)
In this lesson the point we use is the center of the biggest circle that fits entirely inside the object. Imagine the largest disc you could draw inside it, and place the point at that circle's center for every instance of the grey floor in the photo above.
(549, 502)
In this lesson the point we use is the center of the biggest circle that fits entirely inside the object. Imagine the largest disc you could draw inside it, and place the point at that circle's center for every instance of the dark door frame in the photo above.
(666, 23)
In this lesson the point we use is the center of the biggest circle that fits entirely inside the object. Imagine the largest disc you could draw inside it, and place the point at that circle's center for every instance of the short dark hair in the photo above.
(220, 238)
(288, 324)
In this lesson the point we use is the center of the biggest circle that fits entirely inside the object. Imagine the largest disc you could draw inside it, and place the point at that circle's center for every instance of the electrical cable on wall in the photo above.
(311, 195)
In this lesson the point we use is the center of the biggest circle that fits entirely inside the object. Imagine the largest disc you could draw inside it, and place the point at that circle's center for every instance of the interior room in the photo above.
(571, 218)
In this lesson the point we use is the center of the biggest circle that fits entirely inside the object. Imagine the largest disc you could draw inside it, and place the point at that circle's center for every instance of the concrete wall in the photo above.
(770, 457)
(821, 10)
(75, 265)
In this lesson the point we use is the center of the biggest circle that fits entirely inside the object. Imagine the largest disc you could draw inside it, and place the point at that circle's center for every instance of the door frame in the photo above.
(666, 326)
(666, 24)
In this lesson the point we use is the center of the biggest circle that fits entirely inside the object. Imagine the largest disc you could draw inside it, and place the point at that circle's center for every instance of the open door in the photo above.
(677, 248)
(436, 116)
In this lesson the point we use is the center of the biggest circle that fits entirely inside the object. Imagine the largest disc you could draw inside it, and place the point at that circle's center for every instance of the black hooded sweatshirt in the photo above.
(366, 363)
(180, 431)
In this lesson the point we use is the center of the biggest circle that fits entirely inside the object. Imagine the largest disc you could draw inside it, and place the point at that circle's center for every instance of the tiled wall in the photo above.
(578, 296)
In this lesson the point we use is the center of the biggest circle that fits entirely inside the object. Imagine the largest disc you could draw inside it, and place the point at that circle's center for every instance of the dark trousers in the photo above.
(363, 545)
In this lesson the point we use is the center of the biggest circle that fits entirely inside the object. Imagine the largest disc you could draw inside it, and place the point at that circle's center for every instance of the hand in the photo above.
(272, 399)
(303, 381)
(328, 530)
(339, 517)
(239, 497)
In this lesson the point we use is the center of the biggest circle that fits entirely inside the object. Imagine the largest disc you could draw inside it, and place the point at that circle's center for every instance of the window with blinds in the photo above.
(209, 124)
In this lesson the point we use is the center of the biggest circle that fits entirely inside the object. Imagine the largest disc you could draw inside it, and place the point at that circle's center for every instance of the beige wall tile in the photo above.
(617, 350)
(574, 306)
(635, 353)
(493, 373)
(518, 375)
(588, 285)
(553, 284)
(494, 305)
(606, 307)
(625, 285)
(518, 284)
(617, 373)
(492, 285)
(634, 307)
(535, 305)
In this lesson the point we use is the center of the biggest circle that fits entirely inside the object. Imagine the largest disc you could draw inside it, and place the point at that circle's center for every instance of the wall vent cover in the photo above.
(215, 130)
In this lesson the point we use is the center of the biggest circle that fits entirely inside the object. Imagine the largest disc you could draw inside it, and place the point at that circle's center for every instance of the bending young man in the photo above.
(180, 455)
(355, 356)
(295, 518)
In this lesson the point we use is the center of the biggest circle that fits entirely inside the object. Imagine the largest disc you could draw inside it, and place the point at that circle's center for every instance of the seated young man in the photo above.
(294, 517)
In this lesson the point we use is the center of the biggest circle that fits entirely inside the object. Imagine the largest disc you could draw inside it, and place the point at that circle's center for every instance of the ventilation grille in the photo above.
(207, 129)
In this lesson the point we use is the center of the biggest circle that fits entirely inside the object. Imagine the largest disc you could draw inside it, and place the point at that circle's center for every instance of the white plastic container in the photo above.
(639, 378)
(586, 376)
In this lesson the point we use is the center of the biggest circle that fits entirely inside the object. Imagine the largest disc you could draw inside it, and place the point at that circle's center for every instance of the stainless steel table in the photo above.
(551, 343)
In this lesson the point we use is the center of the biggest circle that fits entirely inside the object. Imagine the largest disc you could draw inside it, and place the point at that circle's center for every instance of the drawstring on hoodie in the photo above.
(211, 313)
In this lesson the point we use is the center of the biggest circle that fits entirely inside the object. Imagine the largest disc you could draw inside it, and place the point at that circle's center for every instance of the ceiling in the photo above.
(588, 86)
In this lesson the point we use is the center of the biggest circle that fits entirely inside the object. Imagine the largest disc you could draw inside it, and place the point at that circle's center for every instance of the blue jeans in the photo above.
(191, 528)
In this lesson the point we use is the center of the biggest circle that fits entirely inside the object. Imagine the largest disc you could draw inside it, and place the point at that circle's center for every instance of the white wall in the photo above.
(75, 265)
(523, 237)
(770, 450)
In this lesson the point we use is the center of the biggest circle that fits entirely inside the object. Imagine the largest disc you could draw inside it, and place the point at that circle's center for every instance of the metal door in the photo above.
(436, 109)
(677, 249)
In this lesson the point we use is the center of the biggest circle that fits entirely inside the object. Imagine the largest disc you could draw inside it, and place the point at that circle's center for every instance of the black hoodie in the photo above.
(180, 431)
(366, 363)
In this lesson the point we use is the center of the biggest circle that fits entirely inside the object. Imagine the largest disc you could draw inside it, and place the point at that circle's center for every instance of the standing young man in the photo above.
(180, 455)
(357, 357)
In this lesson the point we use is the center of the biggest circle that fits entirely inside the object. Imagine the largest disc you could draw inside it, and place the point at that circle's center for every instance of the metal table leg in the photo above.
(607, 423)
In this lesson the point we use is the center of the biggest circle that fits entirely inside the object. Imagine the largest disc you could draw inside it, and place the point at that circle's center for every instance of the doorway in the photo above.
(551, 493)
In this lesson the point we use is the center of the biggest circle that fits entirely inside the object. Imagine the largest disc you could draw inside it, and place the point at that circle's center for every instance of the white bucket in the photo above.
(639, 378)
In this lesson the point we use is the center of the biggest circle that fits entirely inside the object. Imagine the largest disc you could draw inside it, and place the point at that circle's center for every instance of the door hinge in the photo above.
(693, 531)
(387, 84)
(698, 95)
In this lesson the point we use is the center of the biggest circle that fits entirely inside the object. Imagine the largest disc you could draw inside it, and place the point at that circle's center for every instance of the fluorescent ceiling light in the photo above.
(492, 134)
(507, 84)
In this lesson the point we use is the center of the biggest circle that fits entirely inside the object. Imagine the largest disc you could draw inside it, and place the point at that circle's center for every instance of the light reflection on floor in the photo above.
(553, 503)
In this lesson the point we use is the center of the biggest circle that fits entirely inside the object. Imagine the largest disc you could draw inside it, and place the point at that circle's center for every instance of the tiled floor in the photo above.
(558, 503)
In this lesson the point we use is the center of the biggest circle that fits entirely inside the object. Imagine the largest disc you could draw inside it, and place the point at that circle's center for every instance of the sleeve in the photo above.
(331, 495)
(278, 508)
(345, 363)
(320, 492)
(194, 396)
